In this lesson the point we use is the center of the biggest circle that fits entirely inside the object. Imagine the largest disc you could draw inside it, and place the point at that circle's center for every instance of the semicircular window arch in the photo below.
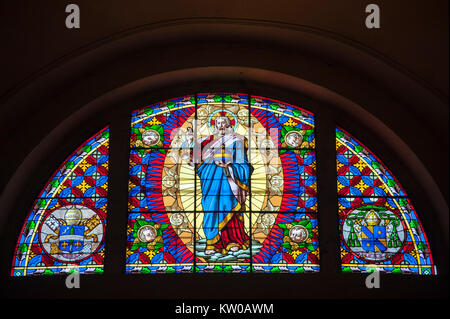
(222, 182)
(65, 227)
(379, 227)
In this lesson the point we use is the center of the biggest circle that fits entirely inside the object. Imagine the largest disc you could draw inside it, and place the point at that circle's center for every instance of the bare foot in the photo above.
(209, 251)
(234, 248)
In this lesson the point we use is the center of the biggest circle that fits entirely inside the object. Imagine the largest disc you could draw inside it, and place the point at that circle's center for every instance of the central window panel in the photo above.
(222, 182)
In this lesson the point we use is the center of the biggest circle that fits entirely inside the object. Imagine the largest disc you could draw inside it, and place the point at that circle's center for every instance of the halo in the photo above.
(231, 116)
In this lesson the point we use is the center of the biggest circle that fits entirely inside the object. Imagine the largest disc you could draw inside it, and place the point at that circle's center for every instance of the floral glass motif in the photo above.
(222, 182)
(65, 228)
(379, 227)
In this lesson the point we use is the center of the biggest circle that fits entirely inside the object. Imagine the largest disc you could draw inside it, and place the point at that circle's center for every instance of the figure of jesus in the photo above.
(224, 173)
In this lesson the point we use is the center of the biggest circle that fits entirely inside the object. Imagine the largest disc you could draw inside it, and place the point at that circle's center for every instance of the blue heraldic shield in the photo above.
(71, 238)
(374, 238)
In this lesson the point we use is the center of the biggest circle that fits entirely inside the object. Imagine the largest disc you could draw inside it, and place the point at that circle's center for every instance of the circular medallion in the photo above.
(298, 234)
(267, 144)
(71, 233)
(169, 181)
(150, 137)
(293, 139)
(176, 219)
(373, 233)
(202, 114)
(146, 233)
(176, 143)
(276, 181)
(242, 115)
(268, 219)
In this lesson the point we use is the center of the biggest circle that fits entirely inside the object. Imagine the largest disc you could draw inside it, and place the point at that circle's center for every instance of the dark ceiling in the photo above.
(413, 34)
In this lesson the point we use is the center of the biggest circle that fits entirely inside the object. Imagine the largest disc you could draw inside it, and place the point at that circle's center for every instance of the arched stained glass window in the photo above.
(66, 226)
(222, 182)
(379, 227)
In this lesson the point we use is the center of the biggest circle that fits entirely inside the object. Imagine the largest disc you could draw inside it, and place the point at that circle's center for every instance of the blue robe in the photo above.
(223, 189)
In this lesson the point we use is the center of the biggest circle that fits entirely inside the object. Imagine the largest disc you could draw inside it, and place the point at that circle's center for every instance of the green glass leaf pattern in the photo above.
(170, 270)
(105, 134)
(274, 106)
(23, 248)
(69, 164)
(31, 224)
(54, 183)
(145, 270)
(275, 270)
(358, 148)
(299, 270)
(375, 165)
(87, 148)
(297, 113)
(41, 203)
(390, 182)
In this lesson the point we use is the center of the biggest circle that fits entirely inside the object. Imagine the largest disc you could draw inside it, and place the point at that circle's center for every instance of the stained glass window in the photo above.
(379, 227)
(65, 228)
(222, 182)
